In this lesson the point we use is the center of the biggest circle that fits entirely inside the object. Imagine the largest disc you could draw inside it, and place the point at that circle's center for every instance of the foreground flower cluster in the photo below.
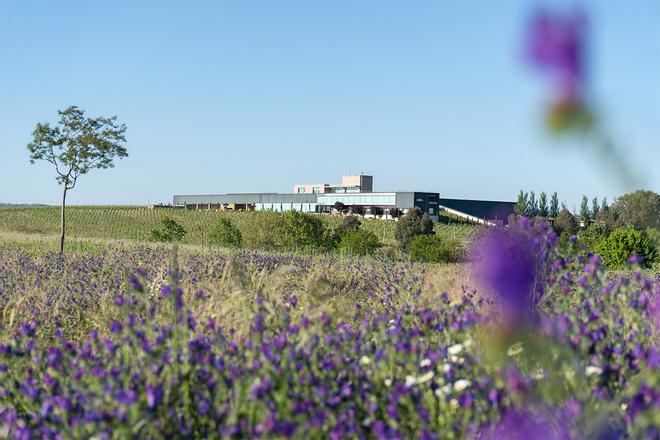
(115, 346)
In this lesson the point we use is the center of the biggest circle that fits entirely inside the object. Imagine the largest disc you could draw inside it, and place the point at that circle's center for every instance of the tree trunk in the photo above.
(62, 225)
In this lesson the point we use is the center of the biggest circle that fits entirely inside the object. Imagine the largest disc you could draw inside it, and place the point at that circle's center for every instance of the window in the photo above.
(301, 190)
(316, 190)
(431, 211)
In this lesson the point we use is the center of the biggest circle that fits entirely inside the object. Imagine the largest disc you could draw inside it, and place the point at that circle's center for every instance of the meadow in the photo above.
(117, 340)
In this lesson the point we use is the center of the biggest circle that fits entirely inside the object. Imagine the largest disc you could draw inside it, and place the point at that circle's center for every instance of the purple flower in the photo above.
(517, 425)
(510, 262)
(557, 44)
(135, 283)
(154, 395)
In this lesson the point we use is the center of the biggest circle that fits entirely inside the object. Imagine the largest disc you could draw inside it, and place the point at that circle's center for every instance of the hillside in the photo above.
(136, 223)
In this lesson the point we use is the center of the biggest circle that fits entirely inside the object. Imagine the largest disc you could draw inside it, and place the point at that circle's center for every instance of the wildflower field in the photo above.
(159, 342)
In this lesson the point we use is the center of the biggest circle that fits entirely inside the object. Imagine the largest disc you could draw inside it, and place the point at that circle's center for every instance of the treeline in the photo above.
(630, 226)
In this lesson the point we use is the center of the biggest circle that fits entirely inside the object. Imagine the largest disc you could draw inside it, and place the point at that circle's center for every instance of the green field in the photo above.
(136, 222)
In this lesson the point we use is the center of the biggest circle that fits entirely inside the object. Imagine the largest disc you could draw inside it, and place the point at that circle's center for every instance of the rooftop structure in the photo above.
(349, 184)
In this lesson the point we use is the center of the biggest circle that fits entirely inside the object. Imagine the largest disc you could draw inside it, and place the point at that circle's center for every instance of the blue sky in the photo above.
(232, 96)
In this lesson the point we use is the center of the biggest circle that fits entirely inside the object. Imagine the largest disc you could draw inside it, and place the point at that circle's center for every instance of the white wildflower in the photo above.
(388, 382)
(538, 374)
(461, 384)
(425, 378)
(412, 380)
(455, 349)
(453, 403)
(364, 360)
(515, 349)
(425, 363)
(593, 370)
(446, 368)
(454, 359)
(442, 391)
(468, 343)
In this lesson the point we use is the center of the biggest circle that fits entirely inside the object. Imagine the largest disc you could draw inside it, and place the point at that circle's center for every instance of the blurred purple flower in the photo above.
(517, 425)
(557, 44)
(511, 262)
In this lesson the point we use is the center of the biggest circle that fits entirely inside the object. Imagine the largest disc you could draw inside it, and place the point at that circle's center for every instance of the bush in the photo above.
(224, 233)
(358, 242)
(412, 224)
(566, 223)
(433, 249)
(624, 242)
(349, 223)
(592, 236)
(171, 231)
(304, 232)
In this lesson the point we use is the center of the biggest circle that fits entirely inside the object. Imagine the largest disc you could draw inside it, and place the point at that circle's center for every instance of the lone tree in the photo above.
(75, 146)
(412, 224)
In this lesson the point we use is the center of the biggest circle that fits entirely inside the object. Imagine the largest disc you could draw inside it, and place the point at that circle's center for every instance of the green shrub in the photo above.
(358, 242)
(592, 236)
(412, 224)
(170, 231)
(224, 233)
(433, 249)
(304, 232)
(624, 242)
(654, 236)
(349, 223)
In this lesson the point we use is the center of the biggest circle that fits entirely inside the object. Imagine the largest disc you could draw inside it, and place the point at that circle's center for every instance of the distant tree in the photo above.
(339, 207)
(358, 210)
(532, 205)
(170, 231)
(554, 205)
(376, 211)
(543, 205)
(563, 205)
(585, 215)
(224, 233)
(595, 207)
(394, 212)
(75, 146)
(604, 204)
(426, 224)
(565, 222)
(412, 224)
(605, 219)
(521, 204)
(641, 209)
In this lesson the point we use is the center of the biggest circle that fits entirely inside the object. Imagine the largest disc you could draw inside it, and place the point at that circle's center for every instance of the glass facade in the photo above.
(365, 199)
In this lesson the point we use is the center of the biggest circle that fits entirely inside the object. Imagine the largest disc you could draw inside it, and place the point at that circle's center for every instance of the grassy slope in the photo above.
(135, 223)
